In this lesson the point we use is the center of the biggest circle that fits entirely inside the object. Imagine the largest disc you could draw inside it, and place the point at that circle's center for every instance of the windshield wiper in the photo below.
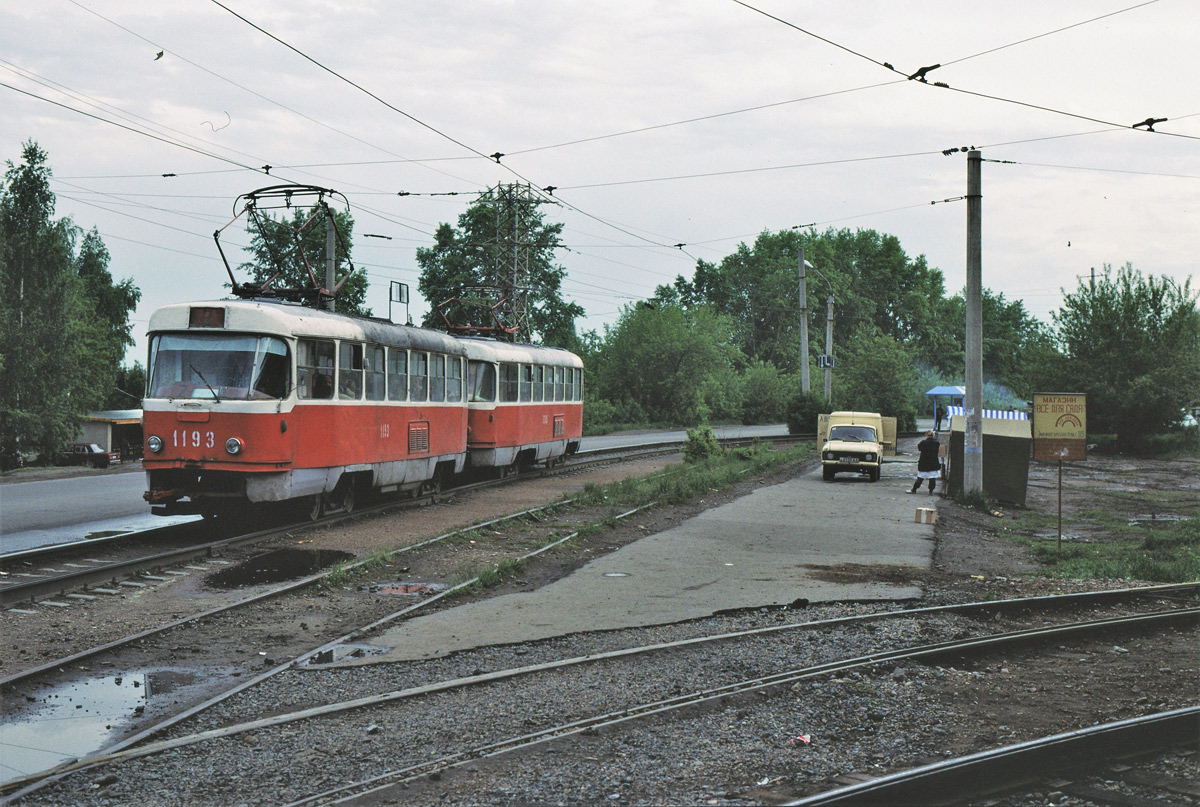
(216, 397)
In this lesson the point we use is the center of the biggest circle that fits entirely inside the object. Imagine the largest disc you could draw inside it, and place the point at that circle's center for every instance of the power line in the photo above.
(920, 75)
(251, 92)
(731, 172)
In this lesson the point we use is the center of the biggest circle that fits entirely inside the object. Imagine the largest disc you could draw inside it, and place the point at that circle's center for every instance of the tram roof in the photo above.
(485, 349)
(278, 317)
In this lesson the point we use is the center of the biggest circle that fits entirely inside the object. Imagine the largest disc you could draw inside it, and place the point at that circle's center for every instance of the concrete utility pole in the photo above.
(973, 404)
(803, 325)
(828, 347)
(330, 256)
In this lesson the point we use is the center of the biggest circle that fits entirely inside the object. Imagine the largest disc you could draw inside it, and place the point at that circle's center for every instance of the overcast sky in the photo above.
(698, 122)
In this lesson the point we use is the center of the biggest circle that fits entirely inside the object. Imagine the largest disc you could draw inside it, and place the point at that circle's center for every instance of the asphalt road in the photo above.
(53, 511)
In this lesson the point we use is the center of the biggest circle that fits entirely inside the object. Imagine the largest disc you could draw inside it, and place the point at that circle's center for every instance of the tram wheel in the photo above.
(316, 507)
(347, 499)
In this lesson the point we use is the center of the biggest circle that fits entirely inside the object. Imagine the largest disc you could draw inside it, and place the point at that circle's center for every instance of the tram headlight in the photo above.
(234, 446)
(154, 443)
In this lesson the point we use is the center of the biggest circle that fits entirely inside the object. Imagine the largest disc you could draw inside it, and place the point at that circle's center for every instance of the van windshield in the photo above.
(853, 434)
(219, 366)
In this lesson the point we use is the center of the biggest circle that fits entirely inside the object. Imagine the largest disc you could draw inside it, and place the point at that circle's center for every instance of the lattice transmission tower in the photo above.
(504, 289)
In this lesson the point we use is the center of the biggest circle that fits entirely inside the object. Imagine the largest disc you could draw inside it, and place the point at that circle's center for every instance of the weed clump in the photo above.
(701, 445)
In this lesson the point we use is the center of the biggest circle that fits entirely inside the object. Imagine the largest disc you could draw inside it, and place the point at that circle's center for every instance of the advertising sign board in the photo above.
(1059, 426)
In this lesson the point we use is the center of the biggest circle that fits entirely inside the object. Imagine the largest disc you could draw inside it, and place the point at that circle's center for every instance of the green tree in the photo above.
(676, 365)
(129, 389)
(765, 393)
(466, 257)
(1132, 343)
(273, 250)
(63, 326)
(875, 373)
(869, 275)
(1014, 342)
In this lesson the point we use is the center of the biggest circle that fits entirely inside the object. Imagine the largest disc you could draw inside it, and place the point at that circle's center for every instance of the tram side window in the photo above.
(397, 374)
(314, 363)
(454, 385)
(418, 377)
(508, 383)
(558, 383)
(481, 382)
(526, 382)
(437, 377)
(578, 383)
(539, 373)
(376, 373)
(350, 372)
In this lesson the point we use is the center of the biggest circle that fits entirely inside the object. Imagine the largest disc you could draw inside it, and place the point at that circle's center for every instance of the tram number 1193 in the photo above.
(194, 438)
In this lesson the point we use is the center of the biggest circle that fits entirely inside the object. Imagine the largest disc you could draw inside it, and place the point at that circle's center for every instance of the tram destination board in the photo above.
(1059, 426)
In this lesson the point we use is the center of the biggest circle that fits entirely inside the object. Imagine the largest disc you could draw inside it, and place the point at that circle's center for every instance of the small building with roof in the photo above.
(115, 430)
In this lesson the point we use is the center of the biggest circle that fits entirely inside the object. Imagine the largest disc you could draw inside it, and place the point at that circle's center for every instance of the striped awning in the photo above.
(995, 414)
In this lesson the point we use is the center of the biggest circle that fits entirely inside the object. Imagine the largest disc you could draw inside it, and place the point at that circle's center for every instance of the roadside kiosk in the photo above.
(1007, 442)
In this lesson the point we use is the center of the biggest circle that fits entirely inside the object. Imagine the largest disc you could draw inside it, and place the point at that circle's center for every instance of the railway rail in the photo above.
(1011, 768)
(492, 747)
(31, 575)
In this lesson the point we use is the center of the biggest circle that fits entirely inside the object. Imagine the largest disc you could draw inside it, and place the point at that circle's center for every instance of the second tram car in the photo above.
(525, 404)
(266, 401)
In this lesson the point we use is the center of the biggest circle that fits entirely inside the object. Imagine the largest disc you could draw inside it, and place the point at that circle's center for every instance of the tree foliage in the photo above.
(467, 256)
(64, 325)
(1132, 343)
(292, 247)
(869, 276)
(876, 374)
(679, 365)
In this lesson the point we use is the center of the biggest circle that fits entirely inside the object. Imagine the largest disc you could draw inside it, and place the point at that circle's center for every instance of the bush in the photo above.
(764, 394)
(803, 410)
(701, 444)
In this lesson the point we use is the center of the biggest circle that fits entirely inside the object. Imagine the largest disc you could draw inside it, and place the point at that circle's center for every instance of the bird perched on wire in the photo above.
(1149, 123)
(920, 74)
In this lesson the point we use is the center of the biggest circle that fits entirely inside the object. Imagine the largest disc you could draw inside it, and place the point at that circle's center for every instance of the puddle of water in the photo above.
(60, 723)
(1054, 535)
(345, 651)
(1151, 519)
(407, 589)
(276, 567)
(91, 536)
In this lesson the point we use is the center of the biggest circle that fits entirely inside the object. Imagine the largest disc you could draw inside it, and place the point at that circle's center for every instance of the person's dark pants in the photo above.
(917, 485)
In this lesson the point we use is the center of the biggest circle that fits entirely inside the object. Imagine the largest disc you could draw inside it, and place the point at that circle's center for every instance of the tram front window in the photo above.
(219, 366)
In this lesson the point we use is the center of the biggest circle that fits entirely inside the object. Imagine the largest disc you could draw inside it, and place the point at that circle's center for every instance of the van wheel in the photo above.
(875, 475)
(828, 474)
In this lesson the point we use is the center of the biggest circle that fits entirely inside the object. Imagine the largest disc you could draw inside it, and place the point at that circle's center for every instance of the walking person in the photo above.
(939, 415)
(929, 464)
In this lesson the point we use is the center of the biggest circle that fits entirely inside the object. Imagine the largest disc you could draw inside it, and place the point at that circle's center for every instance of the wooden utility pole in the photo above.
(973, 403)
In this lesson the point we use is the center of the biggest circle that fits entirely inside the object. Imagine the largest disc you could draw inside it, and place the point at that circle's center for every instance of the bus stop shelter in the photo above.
(955, 394)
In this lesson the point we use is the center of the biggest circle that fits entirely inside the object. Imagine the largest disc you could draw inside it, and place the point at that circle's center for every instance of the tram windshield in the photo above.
(219, 366)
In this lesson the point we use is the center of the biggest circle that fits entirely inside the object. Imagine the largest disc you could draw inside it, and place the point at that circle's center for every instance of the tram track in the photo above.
(30, 575)
(982, 614)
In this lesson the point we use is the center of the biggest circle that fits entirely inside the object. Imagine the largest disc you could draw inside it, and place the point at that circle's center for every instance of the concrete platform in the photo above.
(752, 552)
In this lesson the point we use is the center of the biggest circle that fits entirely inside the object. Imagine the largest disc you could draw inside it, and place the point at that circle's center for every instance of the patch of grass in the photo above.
(346, 572)
(976, 500)
(683, 483)
(487, 577)
(1165, 554)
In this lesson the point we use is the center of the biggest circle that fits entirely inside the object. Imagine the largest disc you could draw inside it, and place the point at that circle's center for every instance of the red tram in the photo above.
(258, 400)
